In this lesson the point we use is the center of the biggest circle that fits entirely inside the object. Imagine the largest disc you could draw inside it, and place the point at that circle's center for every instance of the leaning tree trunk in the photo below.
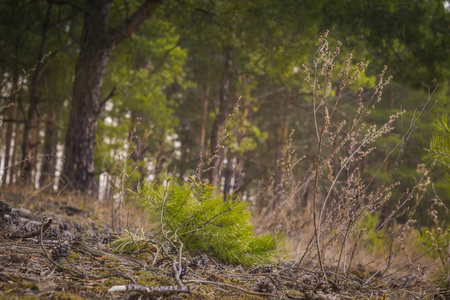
(97, 43)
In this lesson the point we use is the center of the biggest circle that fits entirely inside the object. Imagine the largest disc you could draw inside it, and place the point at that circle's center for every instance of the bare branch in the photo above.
(132, 23)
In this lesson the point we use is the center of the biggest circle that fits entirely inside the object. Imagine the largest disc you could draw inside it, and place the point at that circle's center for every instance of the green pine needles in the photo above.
(440, 144)
(205, 223)
(435, 243)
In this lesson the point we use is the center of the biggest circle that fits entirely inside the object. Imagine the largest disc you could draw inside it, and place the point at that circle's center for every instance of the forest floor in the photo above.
(57, 247)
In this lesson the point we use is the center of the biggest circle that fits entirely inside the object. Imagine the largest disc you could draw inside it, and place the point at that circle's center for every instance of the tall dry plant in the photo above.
(341, 196)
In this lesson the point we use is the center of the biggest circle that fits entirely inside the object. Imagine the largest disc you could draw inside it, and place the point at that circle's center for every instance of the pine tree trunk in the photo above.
(281, 143)
(97, 43)
(159, 156)
(13, 172)
(12, 128)
(204, 115)
(95, 52)
(31, 130)
(8, 143)
(228, 174)
(49, 151)
(224, 99)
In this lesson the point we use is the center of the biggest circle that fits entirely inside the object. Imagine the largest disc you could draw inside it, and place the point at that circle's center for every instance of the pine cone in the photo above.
(276, 280)
(52, 233)
(267, 269)
(199, 262)
(60, 251)
(264, 285)
(259, 269)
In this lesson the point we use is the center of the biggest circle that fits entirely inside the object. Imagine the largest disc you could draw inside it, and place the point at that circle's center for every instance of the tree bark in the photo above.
(280, 156)
(97, 43)
(31, 128)
(49, 151)
(228, 174)
(8, 143)
(204, 115)
(13, 173)
(13, 128)
(216, 135)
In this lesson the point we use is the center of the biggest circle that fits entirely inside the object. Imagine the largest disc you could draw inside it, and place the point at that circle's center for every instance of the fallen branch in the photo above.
(149, 290)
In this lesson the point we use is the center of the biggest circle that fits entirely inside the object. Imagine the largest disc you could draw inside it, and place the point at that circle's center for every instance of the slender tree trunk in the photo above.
(97, 43)
(216, 135)
(31, 129)
(5, 141)
(204, 115)
(13, 172)
(184, 153)
(49, 151)
(228, 174)
(281, 139)
(186, 145)
(2, 82)
(8, 143)
(231, 170)
(19, 113)
(159, 159)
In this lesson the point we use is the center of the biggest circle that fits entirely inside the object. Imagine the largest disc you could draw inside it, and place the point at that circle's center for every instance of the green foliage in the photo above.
(440, 144)
(373, 240)
(435, 243)
(206, 223)
(392, 39)
(133, 243)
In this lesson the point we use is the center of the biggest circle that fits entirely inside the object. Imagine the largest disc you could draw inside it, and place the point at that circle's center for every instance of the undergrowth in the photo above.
(435, 243)
(205, 223)
(337, 212)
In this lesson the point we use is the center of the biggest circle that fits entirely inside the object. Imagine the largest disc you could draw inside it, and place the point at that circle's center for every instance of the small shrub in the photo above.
(435, 243)
(205, 223)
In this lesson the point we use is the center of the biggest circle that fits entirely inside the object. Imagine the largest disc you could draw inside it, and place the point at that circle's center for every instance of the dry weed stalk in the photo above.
(342, 197)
